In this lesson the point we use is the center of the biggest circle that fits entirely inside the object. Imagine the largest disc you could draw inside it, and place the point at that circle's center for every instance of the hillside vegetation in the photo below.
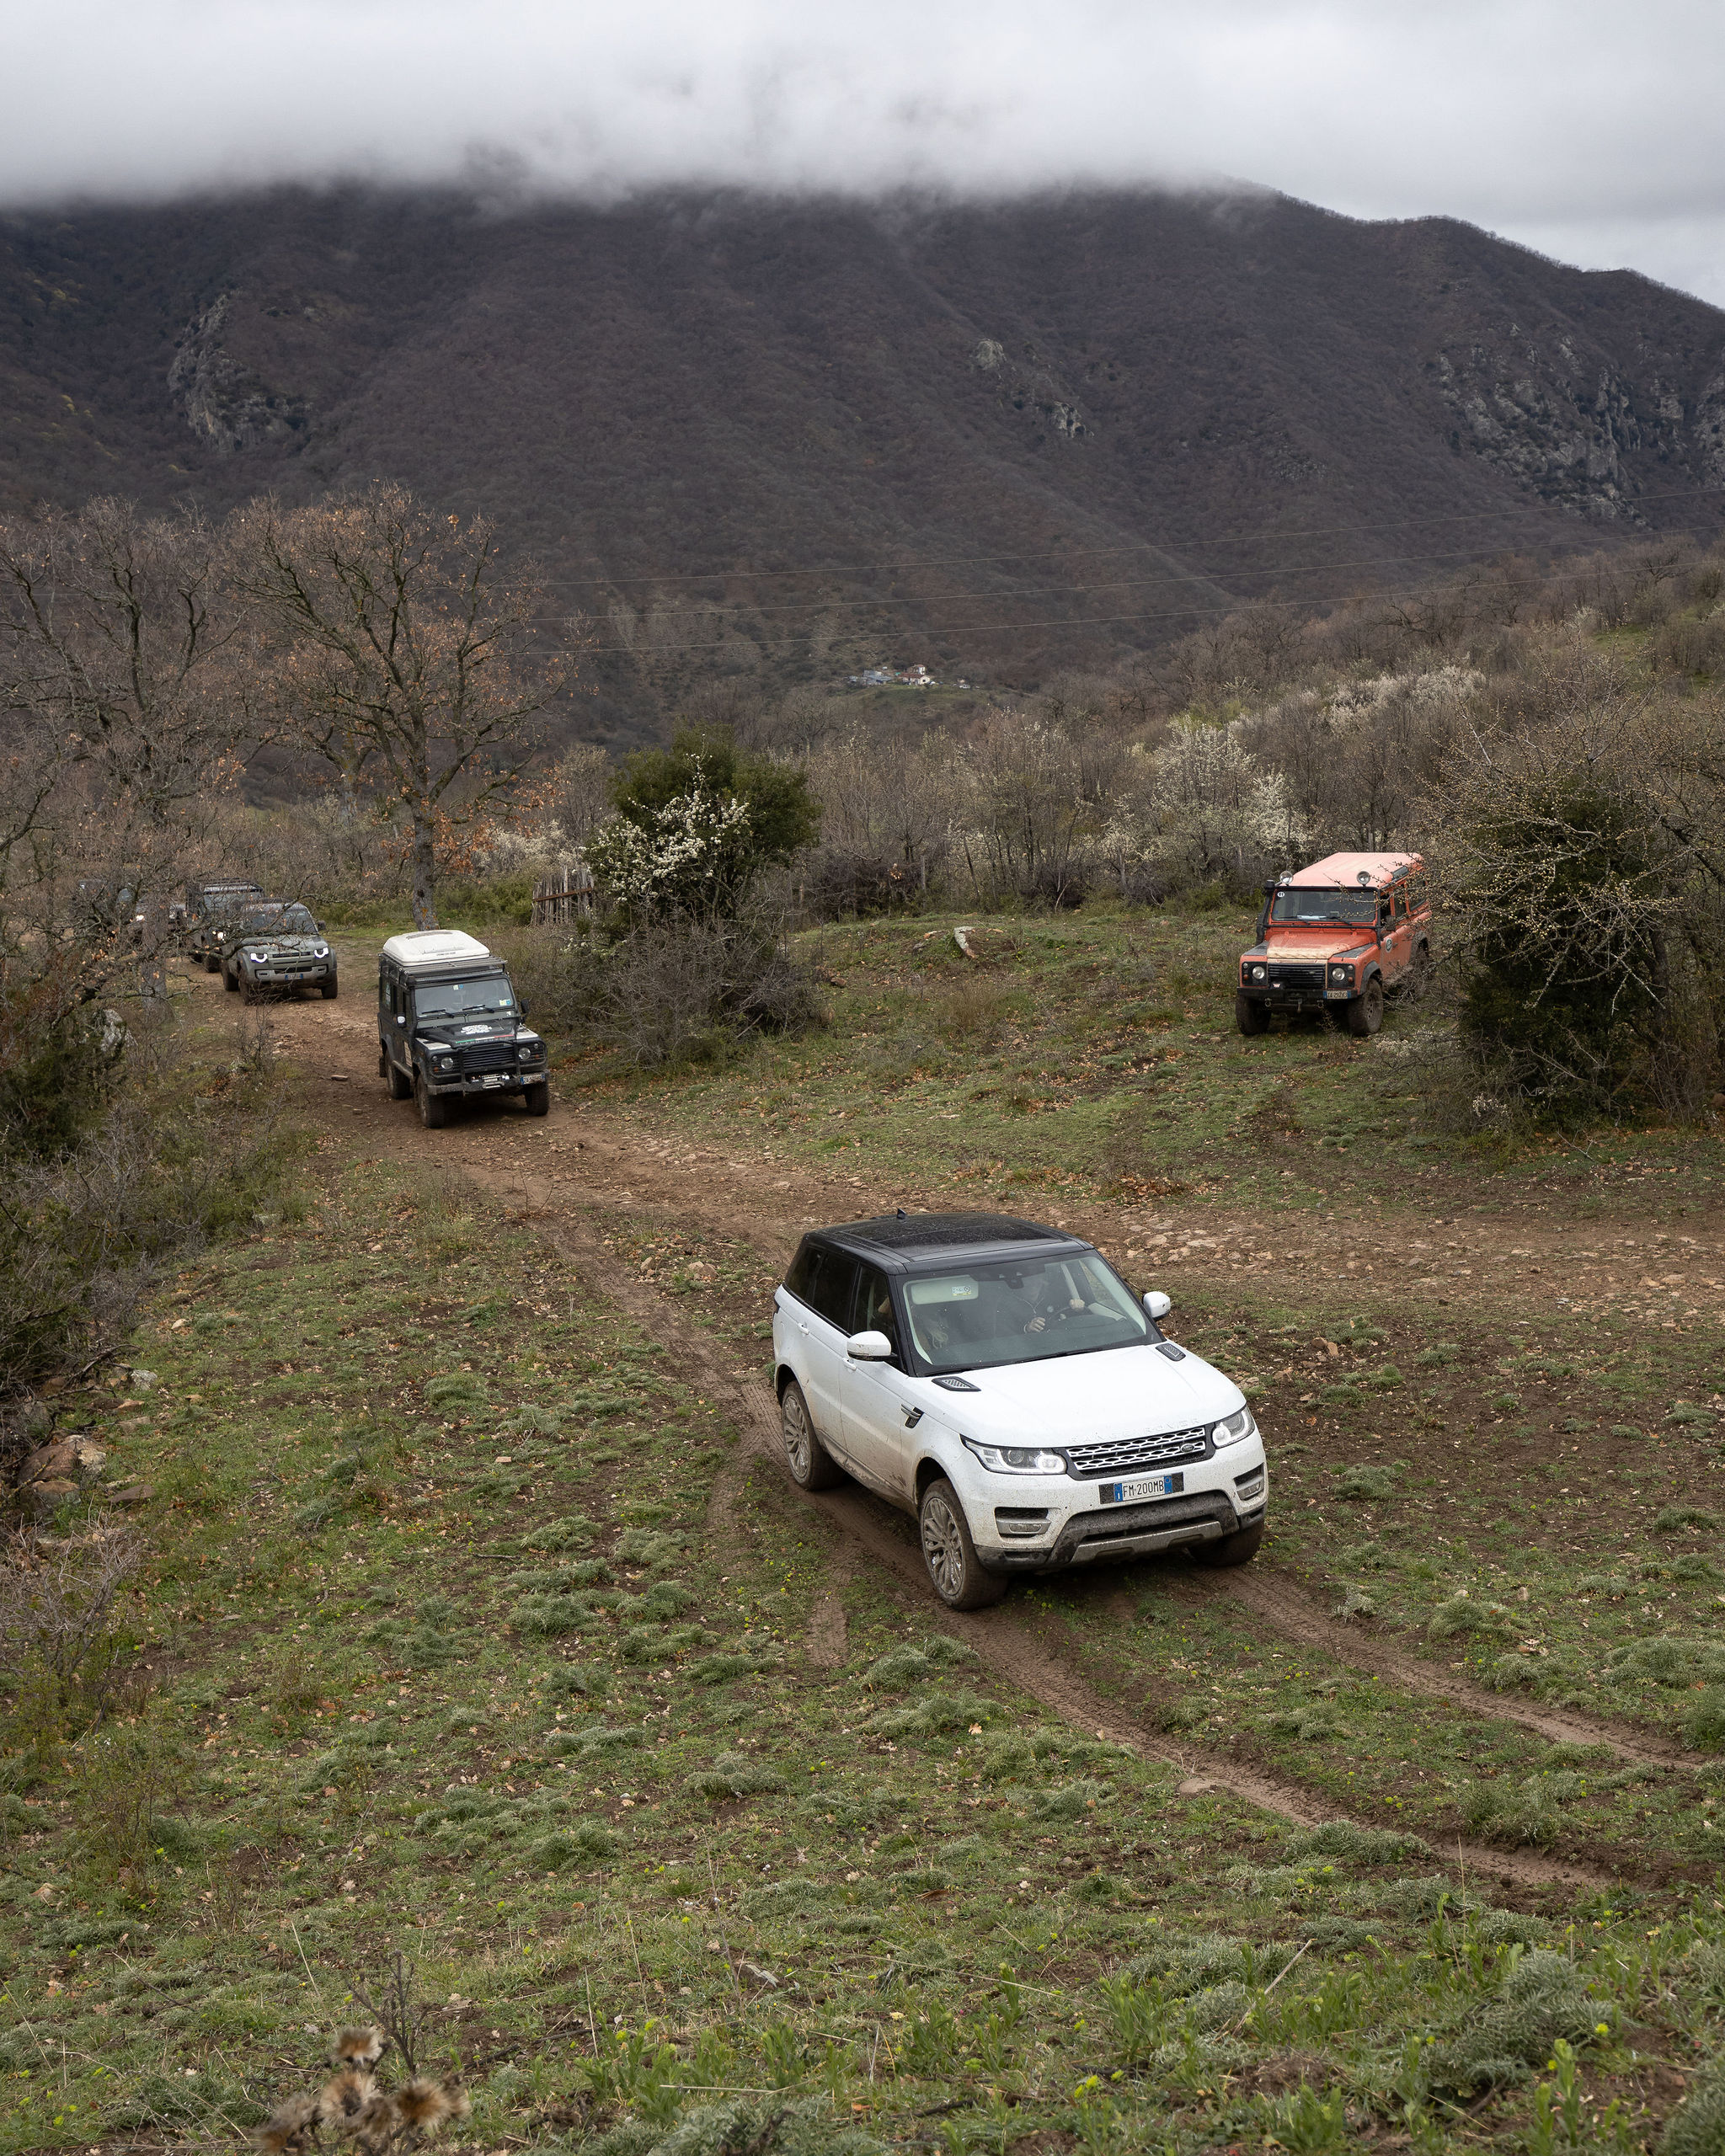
(800, 438)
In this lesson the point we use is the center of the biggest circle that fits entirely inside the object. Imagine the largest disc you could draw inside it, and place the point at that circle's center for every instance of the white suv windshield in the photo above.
(462, 999)
(1020, 1313)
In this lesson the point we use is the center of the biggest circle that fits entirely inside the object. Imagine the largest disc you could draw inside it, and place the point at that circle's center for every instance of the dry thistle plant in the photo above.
(352, 2106)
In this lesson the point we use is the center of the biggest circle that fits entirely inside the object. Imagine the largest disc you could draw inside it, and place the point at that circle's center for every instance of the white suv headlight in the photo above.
(1017, 1459)
(1234, 1428)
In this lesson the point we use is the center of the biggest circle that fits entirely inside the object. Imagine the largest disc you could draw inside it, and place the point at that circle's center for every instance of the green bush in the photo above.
(1542, 1997)
(1697, 2126)
(1366, 1485)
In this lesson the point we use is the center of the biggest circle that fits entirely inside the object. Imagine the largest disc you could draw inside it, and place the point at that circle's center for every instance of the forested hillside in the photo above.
(797, 438)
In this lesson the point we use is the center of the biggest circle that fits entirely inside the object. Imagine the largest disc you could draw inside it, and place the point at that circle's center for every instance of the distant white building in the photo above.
(896, 677)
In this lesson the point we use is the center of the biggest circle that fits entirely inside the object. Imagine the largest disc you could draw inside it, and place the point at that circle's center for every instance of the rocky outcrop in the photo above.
(225, 402)
(1026, 383)
(59, 1470)
(1567, 427)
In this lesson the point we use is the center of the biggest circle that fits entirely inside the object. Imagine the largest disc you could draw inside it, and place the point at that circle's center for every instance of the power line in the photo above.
(1034, 591)
(1047, 553)
(983, 628)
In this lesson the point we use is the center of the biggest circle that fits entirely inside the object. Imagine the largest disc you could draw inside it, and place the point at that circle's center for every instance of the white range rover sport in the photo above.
(1001, 1381)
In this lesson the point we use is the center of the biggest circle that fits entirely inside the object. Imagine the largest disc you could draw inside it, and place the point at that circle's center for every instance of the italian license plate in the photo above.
(1337, 995)
(492, 1079)
(1140, 1487)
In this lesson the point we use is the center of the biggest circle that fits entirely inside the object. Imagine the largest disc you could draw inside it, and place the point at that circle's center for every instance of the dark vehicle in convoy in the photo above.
(208, 913)
(277, 948)
(1334, 938)
(1000, 1381)
(449, 1027)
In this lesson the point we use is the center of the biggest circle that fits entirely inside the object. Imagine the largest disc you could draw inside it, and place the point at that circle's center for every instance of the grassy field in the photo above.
(474, 1625)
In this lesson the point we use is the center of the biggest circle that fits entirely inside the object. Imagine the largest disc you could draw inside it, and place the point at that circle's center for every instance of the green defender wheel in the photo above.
(434, 1109)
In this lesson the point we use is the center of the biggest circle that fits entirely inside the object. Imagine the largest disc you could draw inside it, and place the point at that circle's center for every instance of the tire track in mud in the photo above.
(1003, 1643)
(1269, 1594)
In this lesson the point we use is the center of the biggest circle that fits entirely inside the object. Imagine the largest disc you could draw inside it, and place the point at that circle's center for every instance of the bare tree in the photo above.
(123, 701)
(403, 656)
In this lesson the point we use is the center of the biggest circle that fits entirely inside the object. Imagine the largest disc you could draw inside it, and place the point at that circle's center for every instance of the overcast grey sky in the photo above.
(1590, 131)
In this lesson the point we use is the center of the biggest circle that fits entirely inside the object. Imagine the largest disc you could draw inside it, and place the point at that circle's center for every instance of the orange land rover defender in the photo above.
(1333, 937)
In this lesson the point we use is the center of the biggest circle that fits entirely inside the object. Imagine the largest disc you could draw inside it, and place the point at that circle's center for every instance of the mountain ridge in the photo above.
(1077, 423)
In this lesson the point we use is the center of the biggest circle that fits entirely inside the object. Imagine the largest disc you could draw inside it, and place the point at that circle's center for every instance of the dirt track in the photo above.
(559, 1171)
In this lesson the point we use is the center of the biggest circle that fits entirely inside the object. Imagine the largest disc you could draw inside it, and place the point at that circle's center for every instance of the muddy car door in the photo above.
(1397, 934)
(826, 1296)
(878, 1396)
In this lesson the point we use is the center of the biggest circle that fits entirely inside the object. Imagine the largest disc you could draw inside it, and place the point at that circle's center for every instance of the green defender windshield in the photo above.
(463, 998)
(1020, 1313)
(279, 920)
(1356, 908)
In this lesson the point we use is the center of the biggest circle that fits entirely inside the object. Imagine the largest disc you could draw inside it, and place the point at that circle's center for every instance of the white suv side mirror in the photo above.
(869, 1347)
(1158, 1304)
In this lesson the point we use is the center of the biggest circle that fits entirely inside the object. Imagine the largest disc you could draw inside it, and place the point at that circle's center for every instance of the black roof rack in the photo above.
(917, 1237)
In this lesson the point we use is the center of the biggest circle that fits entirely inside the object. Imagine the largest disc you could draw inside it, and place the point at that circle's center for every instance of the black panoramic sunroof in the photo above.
(930, 1231)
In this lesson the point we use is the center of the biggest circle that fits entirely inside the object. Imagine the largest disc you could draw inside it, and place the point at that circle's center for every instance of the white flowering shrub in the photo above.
(692, 855)
(1207, 806)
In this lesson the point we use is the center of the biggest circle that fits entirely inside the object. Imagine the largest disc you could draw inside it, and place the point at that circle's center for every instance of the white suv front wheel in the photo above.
(953, 1568)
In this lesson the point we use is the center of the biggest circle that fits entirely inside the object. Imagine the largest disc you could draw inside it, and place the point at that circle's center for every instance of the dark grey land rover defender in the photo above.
(449, 1027)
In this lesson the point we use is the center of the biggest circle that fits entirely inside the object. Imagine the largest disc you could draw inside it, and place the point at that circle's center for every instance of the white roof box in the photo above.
(436, 946)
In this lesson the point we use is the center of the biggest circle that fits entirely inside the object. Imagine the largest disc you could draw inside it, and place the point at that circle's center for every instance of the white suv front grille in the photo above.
(1121, 1455)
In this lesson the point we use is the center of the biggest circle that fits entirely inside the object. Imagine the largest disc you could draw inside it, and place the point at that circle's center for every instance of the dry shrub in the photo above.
(675, 990)
(975, 1011)
(81, 1235)
(1577, 832)
(59, 1658)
